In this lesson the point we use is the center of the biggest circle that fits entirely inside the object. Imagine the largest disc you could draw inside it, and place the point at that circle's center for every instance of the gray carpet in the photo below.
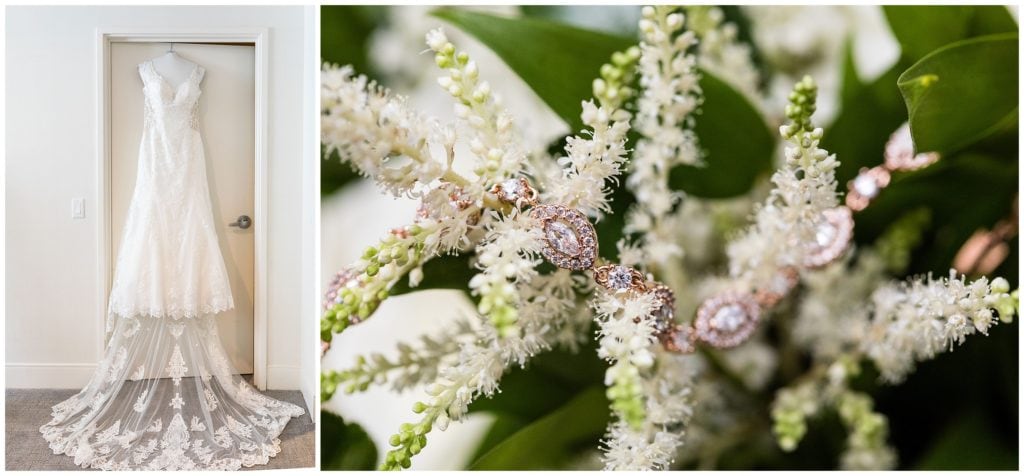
(27, 410)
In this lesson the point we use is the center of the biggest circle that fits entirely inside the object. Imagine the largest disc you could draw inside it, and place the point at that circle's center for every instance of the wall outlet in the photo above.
(78, 207)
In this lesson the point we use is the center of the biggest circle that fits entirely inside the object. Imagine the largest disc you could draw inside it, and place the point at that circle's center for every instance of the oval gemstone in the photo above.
(562, 237)
(729, 318)
(825, 233)
(569, 239)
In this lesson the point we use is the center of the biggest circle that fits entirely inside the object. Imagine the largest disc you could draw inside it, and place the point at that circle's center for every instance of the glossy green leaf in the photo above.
(962, 93)
(551, 442)
(559, 62)
(920, 29)
(345, 446)
(737, 144)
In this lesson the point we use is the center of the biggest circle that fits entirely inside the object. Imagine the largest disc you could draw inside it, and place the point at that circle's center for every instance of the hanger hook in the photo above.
(171, 49)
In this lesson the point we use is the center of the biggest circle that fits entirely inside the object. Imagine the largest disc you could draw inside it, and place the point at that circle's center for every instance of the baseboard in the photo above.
(73, 376)
(309, 393)
(279, 377)
(284, 377)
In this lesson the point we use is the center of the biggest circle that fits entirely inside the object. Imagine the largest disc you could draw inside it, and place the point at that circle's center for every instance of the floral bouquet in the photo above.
(703, 272)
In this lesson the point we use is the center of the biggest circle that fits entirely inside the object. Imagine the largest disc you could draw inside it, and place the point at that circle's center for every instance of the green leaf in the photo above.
(559, 62)
(441, 272)
(851, 84)
(866, 119)
(962, 93)
(335, 174)
(614, 19)
(345, 31)
(551, 442)
(922, 29)
(345, 446)
(969, 444)
(504, 426)
(550, 380)
(736, 141)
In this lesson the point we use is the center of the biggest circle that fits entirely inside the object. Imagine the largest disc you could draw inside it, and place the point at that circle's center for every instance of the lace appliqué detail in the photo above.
(140, 404)
(211, 399)
(176, 366)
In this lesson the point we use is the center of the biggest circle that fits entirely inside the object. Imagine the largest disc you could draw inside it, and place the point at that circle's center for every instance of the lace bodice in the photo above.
(168, 105)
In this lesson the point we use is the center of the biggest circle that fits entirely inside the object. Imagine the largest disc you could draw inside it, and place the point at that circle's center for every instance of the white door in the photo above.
(227, 124)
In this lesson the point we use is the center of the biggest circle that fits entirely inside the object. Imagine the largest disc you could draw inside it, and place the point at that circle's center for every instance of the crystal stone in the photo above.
(511, 190)
(866, 185)
(825, 233)
(729, 318)
(620, 277)
(563, 238)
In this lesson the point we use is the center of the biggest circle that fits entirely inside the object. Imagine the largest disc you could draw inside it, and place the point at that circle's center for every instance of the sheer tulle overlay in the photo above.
(165, 395)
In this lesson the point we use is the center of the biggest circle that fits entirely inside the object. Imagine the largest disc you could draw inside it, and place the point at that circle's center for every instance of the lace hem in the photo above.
(258, 455)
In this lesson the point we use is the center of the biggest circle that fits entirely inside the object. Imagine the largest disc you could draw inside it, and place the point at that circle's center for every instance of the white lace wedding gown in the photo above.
(165, 396)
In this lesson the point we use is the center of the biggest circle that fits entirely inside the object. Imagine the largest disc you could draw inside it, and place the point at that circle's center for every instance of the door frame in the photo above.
(258, 37)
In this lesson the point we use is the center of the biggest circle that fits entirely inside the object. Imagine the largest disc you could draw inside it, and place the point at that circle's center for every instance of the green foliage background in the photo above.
(955, 81)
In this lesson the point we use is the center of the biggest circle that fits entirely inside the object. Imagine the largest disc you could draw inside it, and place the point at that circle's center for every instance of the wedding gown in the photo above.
(165, 396)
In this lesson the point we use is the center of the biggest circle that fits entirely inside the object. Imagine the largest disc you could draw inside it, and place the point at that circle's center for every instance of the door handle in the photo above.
(242, 222)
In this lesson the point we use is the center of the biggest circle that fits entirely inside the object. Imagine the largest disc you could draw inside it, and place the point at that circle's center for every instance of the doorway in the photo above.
(227, 115)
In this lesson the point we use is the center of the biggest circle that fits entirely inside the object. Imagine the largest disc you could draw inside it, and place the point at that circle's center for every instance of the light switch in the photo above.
(78, 207)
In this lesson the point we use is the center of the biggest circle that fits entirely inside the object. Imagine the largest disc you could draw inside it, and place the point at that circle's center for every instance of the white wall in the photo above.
(310, 356)
(52, 328)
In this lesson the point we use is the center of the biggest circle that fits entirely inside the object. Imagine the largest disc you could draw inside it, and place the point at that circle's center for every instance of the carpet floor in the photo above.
(26, 410)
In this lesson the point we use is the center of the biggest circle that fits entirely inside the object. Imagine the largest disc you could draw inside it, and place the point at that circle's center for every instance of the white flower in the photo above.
(831, 318)
(789, 220)
(626, 328)
(754, 362)
(591, 163)
(914, 321)
(720, 51)
(489, 126)
(377, 133)
(436, 39)
(506, 256)
(627, 449)
(649, 388)
(671, 94)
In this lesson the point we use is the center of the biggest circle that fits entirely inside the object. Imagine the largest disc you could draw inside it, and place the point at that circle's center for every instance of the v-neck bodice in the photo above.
(168, 104)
